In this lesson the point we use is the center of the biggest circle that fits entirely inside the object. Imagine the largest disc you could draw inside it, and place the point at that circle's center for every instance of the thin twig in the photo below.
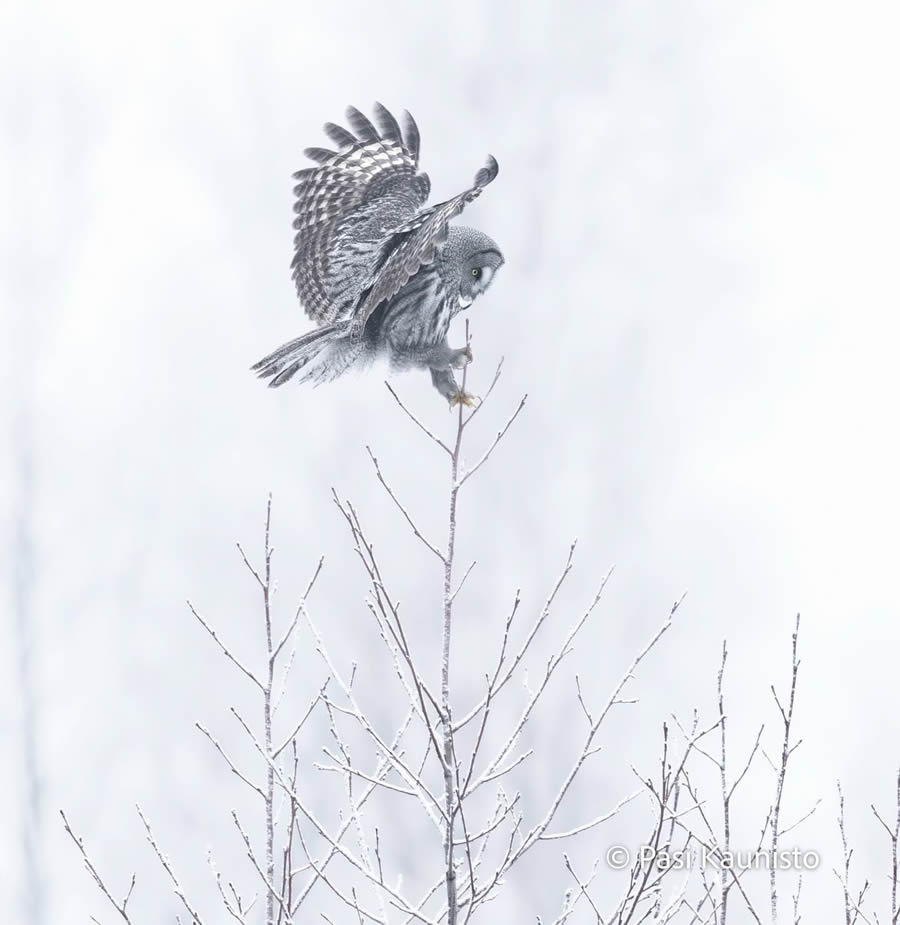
(120, 907)
(401, 508)
(167, 867)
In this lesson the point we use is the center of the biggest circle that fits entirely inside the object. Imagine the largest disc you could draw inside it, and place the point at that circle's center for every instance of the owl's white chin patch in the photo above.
(464, 302)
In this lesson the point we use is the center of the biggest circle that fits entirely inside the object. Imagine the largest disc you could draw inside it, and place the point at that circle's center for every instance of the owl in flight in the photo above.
(379, 272)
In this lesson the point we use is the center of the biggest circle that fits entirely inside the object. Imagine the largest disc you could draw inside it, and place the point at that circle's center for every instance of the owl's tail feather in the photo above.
(318, 356)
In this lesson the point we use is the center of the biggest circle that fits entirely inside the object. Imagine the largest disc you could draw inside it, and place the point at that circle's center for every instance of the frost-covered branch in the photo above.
(121, 906)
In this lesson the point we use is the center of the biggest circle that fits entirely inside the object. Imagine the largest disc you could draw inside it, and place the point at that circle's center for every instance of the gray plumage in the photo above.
(378, 271)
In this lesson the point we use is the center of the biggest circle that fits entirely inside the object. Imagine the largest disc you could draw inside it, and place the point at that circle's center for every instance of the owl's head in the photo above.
(470, 259)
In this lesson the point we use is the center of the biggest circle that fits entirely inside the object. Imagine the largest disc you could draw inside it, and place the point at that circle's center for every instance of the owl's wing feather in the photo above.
(414, 244)
(387, 123)
(340, 136)
(320, 155)
(361, 125)
(411, 135)
(349, 205)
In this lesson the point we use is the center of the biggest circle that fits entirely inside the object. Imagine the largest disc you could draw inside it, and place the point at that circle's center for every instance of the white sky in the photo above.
(698, 205)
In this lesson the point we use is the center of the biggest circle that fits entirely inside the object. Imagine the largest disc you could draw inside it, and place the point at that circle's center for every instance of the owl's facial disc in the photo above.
(476, 274)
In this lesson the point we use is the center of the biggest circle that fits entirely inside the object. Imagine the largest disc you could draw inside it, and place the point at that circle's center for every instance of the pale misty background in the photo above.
(698, 206)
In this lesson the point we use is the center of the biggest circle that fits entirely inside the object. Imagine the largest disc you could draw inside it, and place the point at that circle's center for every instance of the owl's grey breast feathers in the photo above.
(361, 230)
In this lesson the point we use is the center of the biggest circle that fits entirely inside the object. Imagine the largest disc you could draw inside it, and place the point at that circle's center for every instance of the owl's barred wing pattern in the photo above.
(415, 243)
(349, 204)
(365, 243)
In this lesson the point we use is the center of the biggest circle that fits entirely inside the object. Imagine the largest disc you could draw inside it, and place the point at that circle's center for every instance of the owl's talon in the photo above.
(463, 398)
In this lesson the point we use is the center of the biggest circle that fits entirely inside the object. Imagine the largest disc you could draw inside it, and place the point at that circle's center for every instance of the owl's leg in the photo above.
(443, 356)
(442, 360)
(461, 357)
(445, 382)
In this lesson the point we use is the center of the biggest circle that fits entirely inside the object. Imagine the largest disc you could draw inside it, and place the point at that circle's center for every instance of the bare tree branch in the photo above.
(787, 717)
(120, 906)
(167, 867)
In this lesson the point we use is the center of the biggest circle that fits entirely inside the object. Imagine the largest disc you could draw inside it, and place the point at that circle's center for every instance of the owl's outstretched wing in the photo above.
(350, 205)
(414, 244)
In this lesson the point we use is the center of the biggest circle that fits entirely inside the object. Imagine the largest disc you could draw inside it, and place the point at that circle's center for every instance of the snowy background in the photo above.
(697, 203)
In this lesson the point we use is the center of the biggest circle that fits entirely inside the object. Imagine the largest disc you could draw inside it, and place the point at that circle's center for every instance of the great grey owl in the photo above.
(380, 273)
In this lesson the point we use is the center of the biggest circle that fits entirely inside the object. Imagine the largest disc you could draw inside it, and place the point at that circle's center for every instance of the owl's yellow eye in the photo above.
(476, 272)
